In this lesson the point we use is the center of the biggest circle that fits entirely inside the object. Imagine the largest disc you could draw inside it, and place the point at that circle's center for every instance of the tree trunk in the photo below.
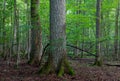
(98, 60)
(57, 60)
(116, 41)
(15, 47)
(4, 30)
(18, 37)
(29, 29)
(36, 34)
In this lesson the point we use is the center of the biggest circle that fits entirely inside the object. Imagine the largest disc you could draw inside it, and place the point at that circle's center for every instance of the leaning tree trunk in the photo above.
(36, 34)
(98, 60)
(57, 61)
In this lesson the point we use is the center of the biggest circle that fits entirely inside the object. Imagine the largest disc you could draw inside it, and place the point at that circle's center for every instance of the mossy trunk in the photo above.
(34, 61)
(63, 67)
(57, 60)
(98, 62)
(36, 34)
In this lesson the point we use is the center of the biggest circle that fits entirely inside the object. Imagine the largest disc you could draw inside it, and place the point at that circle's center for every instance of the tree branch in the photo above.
(81, 49)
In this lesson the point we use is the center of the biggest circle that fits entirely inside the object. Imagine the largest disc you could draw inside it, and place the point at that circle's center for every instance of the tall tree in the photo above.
(57, 60)
(98, 60)
(116, 41)
(28, 23)
(4, 31)
(16, 46)
(36, 33)
(15, 26)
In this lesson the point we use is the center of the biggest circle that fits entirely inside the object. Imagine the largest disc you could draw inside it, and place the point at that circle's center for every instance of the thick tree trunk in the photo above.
(57, 61)
(36, 34)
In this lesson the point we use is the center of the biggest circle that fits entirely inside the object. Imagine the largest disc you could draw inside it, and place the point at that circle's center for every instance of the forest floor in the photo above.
(84, 72)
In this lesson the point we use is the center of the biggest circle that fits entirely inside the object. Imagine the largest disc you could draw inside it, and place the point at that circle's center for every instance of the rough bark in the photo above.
(16, 46)
(36, 34)
(57, 60)
(29, 29)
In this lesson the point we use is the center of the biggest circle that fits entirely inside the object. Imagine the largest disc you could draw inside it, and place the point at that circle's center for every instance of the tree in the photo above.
(28, 35)
(57, 60)
(36, 33)
(4, 30)
(16, 32)
(98, 60)
(116, 41)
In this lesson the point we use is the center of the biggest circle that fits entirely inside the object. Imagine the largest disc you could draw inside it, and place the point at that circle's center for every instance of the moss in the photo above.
(47, 68)
(69, 69)
(30, 62)
(34, 61)
(63, 68)
(61, 71)
(98, 62)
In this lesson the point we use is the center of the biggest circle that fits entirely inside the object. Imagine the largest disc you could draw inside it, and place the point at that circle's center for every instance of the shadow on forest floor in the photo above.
(83, 68)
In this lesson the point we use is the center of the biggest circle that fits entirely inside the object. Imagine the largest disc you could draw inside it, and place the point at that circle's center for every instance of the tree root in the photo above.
(98, 62)
(63, 68)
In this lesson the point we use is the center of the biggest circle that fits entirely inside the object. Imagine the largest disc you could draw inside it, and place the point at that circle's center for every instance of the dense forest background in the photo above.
(29, 27)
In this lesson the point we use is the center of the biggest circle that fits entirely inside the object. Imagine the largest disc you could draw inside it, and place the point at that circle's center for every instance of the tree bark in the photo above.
(98, 60)
(15, 47)
(36, 34)
(116, 41)
(57, 60)
(4, 31)
(29, 29)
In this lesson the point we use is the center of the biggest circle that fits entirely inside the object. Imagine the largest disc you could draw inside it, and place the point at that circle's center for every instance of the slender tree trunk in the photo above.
(1, 32)
(119, 33)
(11, 36)
(98, 60)
(15, 47)
(18, 39)
(4, 30)
(57, 60)
(36, 33)
(116, 41)
(29, 29)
